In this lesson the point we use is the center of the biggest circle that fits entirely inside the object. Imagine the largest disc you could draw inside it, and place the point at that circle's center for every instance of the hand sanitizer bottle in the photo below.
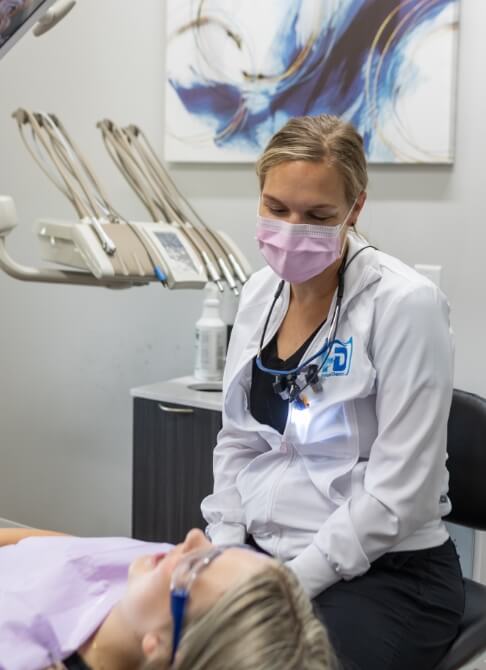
(210, 339)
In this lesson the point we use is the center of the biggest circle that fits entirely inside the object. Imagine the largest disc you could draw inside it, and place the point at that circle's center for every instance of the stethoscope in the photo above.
(290, 384)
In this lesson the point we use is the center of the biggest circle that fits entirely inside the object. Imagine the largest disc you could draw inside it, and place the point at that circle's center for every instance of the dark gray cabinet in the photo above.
(172, 468)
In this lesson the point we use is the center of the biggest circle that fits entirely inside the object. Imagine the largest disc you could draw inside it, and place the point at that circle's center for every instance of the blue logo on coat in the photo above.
(338, 362)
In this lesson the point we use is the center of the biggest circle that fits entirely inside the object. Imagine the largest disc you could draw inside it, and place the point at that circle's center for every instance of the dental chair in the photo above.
(466, 445)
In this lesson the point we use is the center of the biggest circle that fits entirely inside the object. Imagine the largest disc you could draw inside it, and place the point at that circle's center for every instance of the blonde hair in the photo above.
(319, 138)
(265, 623)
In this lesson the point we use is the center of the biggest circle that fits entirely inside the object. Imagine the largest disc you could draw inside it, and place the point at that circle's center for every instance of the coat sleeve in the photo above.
(235, 448)
(223, 509)
(412, 351)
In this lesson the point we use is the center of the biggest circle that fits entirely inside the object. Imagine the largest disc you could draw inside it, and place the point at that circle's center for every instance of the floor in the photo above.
(478, 664)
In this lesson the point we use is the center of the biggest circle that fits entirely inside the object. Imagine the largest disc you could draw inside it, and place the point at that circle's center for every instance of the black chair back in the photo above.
(466, 446)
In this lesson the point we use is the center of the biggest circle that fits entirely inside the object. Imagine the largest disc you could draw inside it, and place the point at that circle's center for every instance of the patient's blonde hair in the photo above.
(319, 138)
(265, 623)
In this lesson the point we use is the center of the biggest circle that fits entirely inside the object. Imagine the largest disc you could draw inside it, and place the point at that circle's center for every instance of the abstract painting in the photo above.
(236, 70)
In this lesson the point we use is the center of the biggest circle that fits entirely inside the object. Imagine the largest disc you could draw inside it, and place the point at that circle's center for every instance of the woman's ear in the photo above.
(361, 200)
(358, 206)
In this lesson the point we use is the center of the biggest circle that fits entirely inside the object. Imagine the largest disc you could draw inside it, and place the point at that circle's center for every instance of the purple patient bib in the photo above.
(55, 592)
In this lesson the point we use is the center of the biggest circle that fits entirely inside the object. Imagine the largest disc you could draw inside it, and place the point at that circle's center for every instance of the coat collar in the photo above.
(363, 268)
(363, 271)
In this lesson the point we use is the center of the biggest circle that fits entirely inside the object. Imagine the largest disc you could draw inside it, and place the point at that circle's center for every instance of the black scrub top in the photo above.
(266, 406)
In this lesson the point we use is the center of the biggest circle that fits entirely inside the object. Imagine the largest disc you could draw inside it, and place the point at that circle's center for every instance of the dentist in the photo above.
(337, 391)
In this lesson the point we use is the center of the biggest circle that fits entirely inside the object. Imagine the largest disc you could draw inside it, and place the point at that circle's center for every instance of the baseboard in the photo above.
(6, 523)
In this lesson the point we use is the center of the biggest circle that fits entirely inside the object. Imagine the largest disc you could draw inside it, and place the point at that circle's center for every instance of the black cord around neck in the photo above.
(340, 288)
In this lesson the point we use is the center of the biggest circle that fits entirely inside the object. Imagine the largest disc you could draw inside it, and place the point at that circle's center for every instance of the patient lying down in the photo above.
(105, 604)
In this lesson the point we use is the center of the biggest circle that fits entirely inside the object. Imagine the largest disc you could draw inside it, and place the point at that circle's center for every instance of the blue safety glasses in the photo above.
(183, 577)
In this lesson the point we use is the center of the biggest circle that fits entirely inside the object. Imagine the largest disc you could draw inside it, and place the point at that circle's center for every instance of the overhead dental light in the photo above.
(53, 15)
(17, 16)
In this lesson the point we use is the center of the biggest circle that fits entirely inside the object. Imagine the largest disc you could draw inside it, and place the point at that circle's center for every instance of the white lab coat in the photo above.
(361, 471)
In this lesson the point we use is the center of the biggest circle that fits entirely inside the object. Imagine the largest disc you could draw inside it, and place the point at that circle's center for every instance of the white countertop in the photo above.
(177, 391)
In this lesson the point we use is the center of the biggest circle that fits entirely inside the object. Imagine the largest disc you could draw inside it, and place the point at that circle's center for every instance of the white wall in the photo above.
(69, 355)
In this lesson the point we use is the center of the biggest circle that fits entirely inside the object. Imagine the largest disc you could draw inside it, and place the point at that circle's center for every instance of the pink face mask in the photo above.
(298, 251)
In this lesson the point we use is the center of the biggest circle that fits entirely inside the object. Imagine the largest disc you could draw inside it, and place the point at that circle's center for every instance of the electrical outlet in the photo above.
(432, 272)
